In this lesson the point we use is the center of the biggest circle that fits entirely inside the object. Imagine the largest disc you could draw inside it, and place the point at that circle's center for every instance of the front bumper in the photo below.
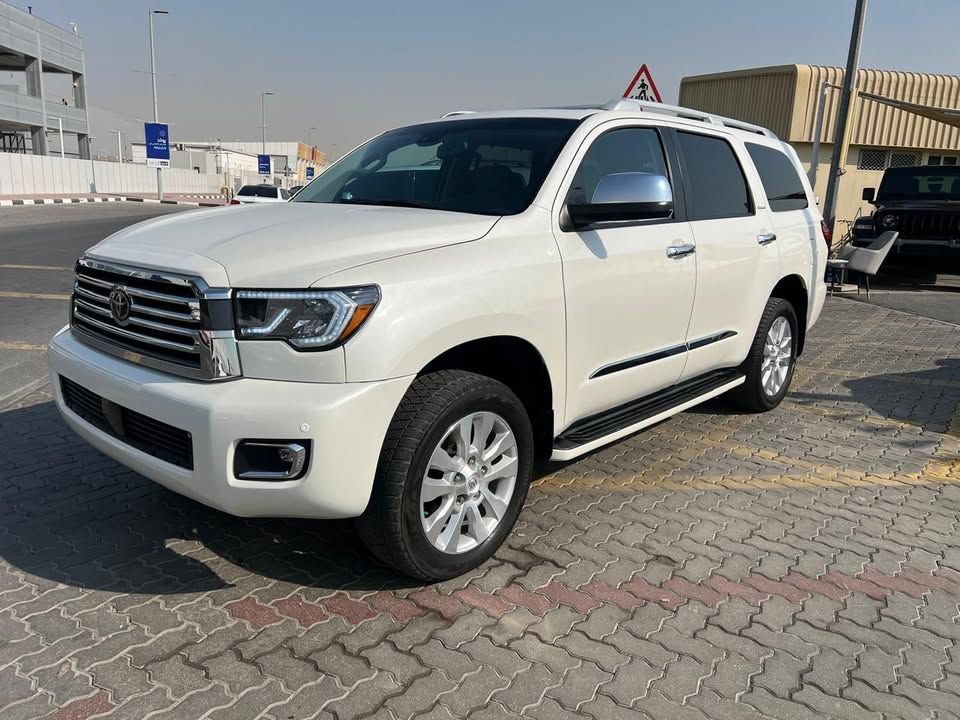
(346, 423)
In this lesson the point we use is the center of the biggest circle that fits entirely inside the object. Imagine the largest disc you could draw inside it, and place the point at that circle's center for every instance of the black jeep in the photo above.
(922, 204)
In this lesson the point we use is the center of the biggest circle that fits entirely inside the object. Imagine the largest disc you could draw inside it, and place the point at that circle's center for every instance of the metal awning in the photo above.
(948, 116)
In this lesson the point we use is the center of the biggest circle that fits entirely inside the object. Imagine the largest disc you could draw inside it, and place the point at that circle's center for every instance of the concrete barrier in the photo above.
(37, 174)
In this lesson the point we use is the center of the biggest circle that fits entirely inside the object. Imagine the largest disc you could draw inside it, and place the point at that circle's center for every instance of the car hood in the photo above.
(285, 244)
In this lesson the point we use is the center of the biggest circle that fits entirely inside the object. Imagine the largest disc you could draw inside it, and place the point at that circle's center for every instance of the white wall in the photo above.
(39, 175)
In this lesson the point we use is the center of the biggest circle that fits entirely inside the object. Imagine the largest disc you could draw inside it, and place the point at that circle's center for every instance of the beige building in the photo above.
(785, 99)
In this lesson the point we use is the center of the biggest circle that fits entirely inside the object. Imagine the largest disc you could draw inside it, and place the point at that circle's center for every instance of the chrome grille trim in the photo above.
(164, 330)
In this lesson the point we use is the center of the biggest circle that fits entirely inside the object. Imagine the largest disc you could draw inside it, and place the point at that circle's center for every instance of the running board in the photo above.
(605, 427)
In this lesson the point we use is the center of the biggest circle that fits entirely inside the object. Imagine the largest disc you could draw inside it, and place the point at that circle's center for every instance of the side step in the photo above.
(605, 427)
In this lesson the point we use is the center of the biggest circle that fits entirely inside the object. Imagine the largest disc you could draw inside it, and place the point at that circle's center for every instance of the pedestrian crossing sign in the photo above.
(642, 87)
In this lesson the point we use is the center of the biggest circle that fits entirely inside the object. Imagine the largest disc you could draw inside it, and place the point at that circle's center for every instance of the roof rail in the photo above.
(452, 113)
(687, 113)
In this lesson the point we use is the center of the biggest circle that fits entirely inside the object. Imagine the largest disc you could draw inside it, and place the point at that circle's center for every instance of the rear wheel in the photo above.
(770, 364)
(452, 477)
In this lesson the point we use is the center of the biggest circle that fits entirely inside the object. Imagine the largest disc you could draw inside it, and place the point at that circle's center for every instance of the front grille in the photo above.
(153, 437)
(925, 225)
(164, 321)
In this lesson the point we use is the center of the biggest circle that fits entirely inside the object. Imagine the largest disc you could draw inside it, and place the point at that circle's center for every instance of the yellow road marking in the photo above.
(18, 345)
(33, 296)
(34, 267)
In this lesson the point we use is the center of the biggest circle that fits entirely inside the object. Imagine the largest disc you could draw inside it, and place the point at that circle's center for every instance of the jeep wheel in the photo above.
(452, 476)
(769, 366)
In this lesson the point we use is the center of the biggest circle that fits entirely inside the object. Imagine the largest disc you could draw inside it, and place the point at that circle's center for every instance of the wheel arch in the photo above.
(793, 289)
(519, 365)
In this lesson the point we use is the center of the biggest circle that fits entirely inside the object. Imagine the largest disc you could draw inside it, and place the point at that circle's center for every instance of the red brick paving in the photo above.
(606, 593)
(645, 591)
(306, 613)
(492, 605)
(447, 606)
(402, 609)
(534, 602)
(559, 593)
(351, 610)
(254, 612)
(85, 708)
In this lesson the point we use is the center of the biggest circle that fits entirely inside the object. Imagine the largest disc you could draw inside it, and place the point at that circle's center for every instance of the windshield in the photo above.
(486, 167)
(933, 182)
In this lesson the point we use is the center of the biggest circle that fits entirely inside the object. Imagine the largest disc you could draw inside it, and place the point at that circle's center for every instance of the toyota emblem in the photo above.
(120, 304)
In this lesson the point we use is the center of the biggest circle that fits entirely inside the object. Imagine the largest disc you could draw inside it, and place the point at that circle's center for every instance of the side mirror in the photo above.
(869, 194)
(622, 197)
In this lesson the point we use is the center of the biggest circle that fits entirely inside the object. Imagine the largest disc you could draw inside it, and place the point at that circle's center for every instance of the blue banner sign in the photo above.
(157, 136)
(263, 164)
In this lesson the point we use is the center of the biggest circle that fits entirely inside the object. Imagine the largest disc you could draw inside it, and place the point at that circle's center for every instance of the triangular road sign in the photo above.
(642, 87)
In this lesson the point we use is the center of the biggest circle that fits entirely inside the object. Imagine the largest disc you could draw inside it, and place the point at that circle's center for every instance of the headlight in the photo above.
(307, 319)
(888, 222)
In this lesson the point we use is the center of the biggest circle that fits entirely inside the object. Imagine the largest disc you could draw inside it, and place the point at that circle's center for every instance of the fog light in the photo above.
(271, 459)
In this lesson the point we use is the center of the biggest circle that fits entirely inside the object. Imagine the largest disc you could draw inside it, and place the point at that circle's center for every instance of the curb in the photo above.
(118, 198)
(59, 201)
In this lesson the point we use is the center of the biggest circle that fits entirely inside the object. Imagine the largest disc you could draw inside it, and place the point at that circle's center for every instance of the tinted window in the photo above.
(284, 194)
(779, 177)
(483, 166)
(618, 151)
(258, 191)
(716, 187)
(927, 183)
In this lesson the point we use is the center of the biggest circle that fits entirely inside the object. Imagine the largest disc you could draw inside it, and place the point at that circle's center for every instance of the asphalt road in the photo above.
(38, 247)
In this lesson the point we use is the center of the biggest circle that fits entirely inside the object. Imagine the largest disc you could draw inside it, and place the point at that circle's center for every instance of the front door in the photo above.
(629, 286)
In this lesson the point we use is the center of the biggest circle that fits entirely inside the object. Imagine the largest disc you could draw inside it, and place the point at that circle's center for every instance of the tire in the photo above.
(393, 525)
(753, 395)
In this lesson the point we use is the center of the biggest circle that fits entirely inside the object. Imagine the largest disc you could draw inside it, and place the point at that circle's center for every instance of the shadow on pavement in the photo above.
(924, 398)
(69, 514)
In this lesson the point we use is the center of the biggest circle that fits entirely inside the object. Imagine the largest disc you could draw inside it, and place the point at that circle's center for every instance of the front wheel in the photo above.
(452, 476)
(770, 364)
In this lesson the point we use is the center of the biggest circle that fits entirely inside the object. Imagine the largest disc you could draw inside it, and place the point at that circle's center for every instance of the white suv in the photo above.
(447, 303)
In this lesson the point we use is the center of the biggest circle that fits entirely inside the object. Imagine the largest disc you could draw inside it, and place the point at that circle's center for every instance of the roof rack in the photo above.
(452, 113)
(687, 113)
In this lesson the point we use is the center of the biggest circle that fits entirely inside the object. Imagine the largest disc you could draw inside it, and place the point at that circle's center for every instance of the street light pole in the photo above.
(849, 88)
(153, 76)
(309, 130)
(119, 146)
(263, 123)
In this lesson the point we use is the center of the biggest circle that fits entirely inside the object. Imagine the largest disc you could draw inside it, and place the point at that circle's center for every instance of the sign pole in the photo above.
(153, 76)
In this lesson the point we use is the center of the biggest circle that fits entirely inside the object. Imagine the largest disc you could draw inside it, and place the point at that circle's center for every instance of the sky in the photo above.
(353, 68)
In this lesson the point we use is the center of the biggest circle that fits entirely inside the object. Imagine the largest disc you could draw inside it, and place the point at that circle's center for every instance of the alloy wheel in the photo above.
(469, 482)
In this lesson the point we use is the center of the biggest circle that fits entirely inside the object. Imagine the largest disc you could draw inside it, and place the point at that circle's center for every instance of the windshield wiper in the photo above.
(388, 203)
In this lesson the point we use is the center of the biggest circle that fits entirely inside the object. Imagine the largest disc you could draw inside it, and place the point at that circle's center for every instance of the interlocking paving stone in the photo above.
(796, 564)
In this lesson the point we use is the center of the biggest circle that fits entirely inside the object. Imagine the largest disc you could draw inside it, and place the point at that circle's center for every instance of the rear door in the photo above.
(738, 256)
(795, 219)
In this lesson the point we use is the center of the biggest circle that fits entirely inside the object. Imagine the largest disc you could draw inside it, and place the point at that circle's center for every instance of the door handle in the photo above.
(766, 238)
(678, 251)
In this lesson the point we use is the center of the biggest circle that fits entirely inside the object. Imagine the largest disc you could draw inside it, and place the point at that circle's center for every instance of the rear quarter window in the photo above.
(779, 177)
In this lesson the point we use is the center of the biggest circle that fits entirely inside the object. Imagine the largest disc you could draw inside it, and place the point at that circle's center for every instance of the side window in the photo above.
(779, 177)
(716, 187)
(624, 150)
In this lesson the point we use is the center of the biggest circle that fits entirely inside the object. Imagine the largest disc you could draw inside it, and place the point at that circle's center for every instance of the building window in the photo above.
(904, 159)
(950, 160)
(872, 159)
(878, 159)
(933, 160)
